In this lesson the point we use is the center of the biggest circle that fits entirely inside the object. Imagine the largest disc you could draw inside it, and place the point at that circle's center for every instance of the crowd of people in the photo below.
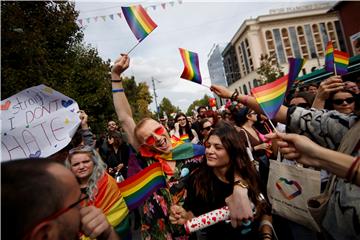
(211, 160)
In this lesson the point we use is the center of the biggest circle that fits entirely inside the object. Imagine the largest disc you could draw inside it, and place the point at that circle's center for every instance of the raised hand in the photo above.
(120, 65)
(221, 91)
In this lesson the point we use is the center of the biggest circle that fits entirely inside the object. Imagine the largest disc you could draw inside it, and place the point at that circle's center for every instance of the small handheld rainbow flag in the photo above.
(295, 66)
(338, 58)
(271, 96)
(191, 66)
(139, 21)
(185, 138)
(136, 189)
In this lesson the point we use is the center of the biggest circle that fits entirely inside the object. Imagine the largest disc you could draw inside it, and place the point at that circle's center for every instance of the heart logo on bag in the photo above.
(289, 194)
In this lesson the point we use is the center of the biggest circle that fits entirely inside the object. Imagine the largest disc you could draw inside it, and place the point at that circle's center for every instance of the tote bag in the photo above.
(289, 187)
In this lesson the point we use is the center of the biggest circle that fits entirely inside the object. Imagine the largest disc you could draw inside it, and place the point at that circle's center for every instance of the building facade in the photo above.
(301, 32)
(216, 68)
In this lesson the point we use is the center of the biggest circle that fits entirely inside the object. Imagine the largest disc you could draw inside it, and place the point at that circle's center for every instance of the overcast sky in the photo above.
(195, 26)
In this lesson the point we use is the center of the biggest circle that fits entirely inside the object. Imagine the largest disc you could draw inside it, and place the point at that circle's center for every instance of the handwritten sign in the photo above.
(37, 122)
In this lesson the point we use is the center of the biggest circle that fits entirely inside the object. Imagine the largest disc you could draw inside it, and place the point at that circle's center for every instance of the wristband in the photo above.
(116, 80)
(234, 95)
(118, 90)
(241, 184)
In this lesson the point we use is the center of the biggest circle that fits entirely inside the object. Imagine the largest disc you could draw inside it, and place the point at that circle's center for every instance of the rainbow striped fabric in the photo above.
(329, 57)
(341, 60)
(136, 189)
(185, 138)
(338, 58)
(271, 96)
(295, 66)
(191, 66)
(139, 21)
(111, 202)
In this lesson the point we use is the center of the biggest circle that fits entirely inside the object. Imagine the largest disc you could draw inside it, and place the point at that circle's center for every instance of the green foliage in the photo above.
(167, 108)
(197, 103)
(267, 71)
(42, 44)
(139, 98)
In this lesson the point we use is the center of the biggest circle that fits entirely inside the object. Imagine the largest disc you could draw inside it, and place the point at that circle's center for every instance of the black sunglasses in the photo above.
(341, 101)
(207, 128)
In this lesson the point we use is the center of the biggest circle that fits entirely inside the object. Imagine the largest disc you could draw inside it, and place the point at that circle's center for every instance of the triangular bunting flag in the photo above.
(119, 14)
(163, 5)
(104, 18)
(111, 16)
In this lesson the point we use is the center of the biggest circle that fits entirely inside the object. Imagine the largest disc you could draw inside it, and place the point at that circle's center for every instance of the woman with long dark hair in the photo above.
(182, 129)
(227, 165)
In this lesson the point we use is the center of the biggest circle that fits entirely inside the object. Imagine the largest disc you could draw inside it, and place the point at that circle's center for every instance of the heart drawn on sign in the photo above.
(288, 194)
(6, 105)
(36, 154)
(66, 103)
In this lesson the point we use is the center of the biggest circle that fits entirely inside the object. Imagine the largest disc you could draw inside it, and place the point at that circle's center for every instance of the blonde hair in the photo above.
(98, 171)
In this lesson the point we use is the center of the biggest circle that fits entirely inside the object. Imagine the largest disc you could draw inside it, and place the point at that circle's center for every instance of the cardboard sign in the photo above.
(37, 122)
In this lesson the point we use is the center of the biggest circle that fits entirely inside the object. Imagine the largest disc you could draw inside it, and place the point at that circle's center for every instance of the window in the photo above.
(324, 35)
(294, 42)
(340, 36)
(245, 89)
(245, 58)
(279, 46)
(310, 40)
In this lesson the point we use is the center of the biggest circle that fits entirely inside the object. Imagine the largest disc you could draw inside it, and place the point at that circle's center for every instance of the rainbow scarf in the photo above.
(271, 96)
(139, 21)
(111, 202)
(295, 66)
(136, 189)
(191, 66)
(179, 151)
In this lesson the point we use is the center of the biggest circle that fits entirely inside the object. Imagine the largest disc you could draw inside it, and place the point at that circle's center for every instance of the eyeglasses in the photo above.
(252, 113)
(207, 128)
(58, 214)
(151, 139)
(181, 119)
(341, 101)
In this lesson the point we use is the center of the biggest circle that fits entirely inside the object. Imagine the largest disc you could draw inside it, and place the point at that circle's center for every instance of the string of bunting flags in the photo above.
(119, 14)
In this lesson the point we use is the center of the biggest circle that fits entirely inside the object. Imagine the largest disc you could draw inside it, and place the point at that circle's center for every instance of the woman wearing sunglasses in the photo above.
(182, 129)
(333, 96)
(213, 182)
(205, 128)
(154, 144)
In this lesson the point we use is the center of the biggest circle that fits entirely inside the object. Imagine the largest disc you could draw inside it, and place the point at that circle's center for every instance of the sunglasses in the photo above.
(341, 101)
(151, 139)
(207, 128)
(58, 214)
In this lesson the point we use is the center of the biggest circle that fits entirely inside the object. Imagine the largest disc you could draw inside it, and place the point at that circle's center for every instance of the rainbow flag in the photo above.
(139, 21)
(341, 60)
(329, 57)
(111, 202)
(191, 66)
(295, 66)
(271, 96)
(136, 189)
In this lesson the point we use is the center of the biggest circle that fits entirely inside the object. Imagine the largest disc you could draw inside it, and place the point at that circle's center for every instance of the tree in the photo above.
(267, 71)
(139, 98)
(42, 44)
(197, 103)
(167, 107)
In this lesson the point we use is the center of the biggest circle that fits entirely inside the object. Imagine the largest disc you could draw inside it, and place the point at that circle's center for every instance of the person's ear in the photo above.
(44, 231)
